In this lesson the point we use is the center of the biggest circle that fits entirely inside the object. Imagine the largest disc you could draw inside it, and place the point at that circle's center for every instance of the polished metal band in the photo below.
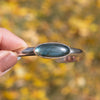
(75, 51)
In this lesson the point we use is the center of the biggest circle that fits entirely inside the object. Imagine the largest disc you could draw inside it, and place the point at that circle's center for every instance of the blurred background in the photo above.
(75, 23)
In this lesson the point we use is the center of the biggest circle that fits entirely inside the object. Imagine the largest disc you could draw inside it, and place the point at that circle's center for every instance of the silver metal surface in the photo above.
(73, 54)
(75, 50)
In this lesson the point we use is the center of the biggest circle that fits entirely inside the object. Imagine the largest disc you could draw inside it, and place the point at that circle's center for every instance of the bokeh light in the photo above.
(75, 23)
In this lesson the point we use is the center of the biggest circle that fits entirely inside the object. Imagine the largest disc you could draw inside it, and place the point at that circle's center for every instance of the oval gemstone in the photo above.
(52, 50)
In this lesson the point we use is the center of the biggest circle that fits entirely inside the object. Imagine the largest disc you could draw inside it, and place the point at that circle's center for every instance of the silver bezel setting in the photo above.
(70, 50)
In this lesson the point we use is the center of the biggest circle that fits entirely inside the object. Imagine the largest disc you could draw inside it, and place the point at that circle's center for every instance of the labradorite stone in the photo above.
(52, 50)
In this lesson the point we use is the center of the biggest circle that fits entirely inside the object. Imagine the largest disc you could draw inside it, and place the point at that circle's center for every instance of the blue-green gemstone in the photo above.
(52, 50)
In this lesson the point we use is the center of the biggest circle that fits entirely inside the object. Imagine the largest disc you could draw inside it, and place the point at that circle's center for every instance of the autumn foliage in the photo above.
(75, 23)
